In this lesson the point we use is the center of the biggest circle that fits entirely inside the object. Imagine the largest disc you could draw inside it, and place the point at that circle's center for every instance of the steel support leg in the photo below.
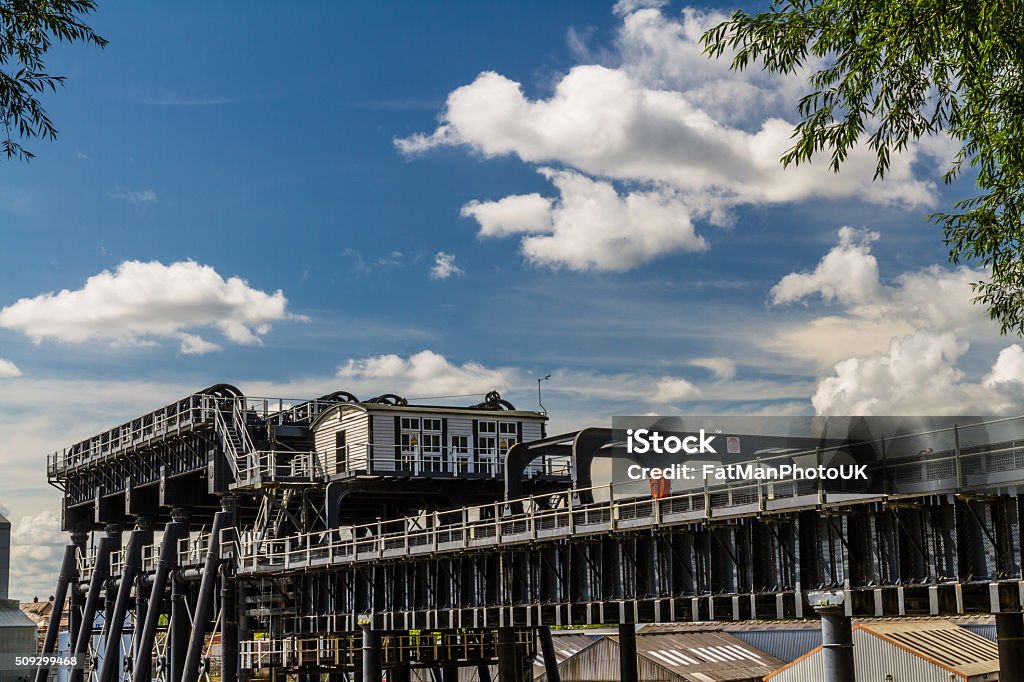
(228, 627)
(547, 649)
(627, 652)
(1010, 636)
(167, 563)
(115, 628)
(371, 654)
(68, 571)
(400, 675)
(78, 539)
(509, 667)
(177, 647)
(100, 572)
(484, 673)
(837, 646)
(204, 602)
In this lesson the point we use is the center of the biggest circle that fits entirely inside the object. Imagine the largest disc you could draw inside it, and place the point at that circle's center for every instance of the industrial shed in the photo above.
(671, 657)
(907, 651)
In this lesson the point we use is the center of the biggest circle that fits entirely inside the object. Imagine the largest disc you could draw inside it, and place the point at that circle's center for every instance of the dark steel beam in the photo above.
(168, 561)
(100, 572)
(204, 602)
(68, 571)
(115, 627)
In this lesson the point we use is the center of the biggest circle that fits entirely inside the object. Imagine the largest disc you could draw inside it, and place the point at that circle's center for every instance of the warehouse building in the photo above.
(907, 651)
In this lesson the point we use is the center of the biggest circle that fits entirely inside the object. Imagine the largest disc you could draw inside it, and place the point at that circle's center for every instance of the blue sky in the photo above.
(339, 152)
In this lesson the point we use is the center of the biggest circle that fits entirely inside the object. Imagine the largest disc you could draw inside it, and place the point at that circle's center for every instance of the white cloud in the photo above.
(511, 215)
(873, 312)
(848, 273)
(445, 267)
(660, 119)
(722, 368)
(192, 344)
(592, 227)
(673, 389)
(919, 376)
(420, 375)
(8, 369)
(140, 303)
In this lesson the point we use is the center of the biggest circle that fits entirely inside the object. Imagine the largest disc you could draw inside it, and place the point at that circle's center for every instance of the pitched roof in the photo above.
(955, 648)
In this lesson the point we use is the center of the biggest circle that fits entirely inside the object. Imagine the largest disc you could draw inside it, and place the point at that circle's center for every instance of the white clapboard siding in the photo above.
(460, 425)
(532, 430)
(355, 423)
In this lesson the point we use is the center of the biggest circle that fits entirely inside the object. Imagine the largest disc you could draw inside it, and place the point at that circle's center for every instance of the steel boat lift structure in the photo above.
(342, 539)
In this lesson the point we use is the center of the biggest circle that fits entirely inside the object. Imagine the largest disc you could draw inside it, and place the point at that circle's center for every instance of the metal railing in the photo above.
(193, 412)
(277, 466)
(619, 506)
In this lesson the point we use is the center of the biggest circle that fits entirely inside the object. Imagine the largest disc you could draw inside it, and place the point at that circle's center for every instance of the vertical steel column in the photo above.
(547, 648)
(371, 654)
(509, 667)
(177, 647)
(167, 562)
(115, 628)
(1010, 637)
(484, 672)
(78, 539)
(96, 584)
(114, 533)
(143, 590)
(450, 673)
(837, 645)
(228, 627)
(204, 602)
(402, 674)
(68, 570)
(627, 652)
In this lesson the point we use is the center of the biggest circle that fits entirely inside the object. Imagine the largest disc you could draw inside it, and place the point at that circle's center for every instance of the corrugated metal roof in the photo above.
(786, 645)
(715, 655)
(942, 642)
(14, 618)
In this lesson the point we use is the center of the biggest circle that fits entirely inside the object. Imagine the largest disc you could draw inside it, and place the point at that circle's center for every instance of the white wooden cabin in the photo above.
(407, 440)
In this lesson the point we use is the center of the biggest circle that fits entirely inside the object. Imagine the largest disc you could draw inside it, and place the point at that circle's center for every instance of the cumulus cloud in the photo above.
(511, 215)
(142, 302)
(423, 374)
(671, 389)
(8, 369)
(445, 267)
(873, 312)
(663, 122)
(592, 226)
(896, 347)
(919, 376)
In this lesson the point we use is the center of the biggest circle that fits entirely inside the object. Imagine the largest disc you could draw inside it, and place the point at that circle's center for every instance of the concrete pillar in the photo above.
(371, 654)
(1010, 637)
(547, 650)
(627, 652)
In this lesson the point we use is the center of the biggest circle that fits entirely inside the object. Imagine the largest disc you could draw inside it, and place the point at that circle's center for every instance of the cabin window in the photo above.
(460, 454)
(508, 436)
